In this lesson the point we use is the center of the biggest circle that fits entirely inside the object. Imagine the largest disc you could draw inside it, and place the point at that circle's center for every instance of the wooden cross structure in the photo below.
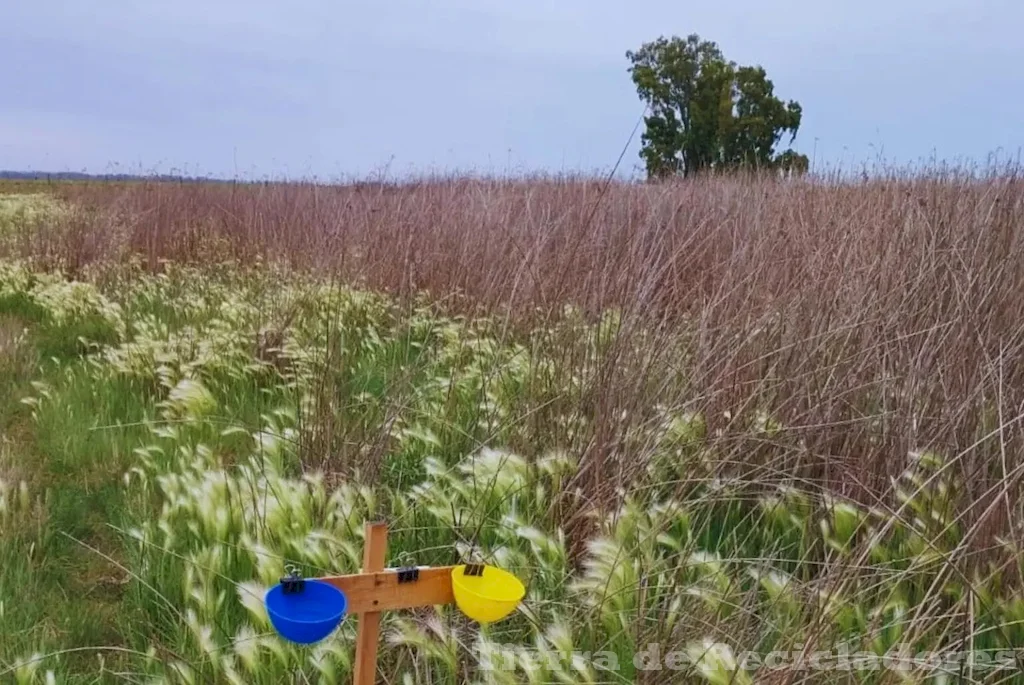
(308, 612)
(377, 589)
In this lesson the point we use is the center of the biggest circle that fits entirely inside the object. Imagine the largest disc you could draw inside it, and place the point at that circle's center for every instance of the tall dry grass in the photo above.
(869, 319)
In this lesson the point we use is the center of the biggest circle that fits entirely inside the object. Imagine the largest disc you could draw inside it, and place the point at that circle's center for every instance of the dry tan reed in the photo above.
(870, 318)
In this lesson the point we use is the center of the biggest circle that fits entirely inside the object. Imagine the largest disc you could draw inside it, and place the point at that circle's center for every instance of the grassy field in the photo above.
(706, 423)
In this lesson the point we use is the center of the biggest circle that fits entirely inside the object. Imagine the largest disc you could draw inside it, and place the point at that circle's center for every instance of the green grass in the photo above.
(171, 470)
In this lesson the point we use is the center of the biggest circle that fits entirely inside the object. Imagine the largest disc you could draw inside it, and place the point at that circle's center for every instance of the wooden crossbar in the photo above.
(383, 591)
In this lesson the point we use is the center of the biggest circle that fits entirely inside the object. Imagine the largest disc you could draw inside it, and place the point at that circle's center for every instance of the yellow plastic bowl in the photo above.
(489, 597)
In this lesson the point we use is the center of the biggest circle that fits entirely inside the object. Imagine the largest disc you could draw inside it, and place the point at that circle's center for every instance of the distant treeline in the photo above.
(79, 176)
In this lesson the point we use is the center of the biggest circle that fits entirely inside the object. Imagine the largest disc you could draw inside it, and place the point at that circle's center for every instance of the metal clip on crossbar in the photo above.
(408, 574)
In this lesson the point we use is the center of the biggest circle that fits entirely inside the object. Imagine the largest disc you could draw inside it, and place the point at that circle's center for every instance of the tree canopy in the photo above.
(706, 112)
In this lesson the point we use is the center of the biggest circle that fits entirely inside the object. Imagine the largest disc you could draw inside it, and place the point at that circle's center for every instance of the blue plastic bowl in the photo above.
(307, 616)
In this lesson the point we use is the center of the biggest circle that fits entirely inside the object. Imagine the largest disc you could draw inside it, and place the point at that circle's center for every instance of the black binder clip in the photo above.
(473, 570)
(293, 583)
(408, 574)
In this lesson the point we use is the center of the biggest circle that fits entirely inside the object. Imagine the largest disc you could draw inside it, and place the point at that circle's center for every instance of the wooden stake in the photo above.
(368, 632)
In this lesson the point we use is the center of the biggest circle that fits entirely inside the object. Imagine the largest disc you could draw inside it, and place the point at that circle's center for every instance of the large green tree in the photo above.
(705, 112)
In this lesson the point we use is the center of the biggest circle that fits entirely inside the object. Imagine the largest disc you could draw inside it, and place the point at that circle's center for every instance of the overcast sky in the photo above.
(332, 88)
